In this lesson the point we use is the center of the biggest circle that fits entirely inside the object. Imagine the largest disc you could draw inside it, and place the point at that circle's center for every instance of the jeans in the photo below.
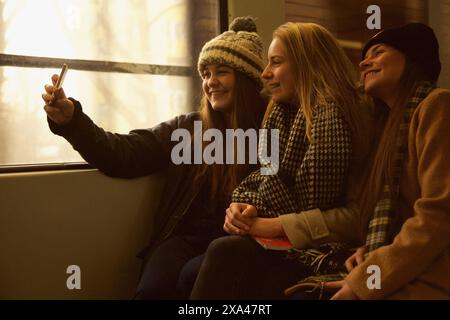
(171, 270)
(237, 267)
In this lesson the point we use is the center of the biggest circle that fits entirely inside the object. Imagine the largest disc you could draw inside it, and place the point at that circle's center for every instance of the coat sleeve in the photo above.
(326, 162)
(311, 228)
(425, 235)
(138, 153)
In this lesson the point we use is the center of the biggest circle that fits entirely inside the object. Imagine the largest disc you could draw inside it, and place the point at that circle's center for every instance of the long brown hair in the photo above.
(323, 72)
(380, 171)
(246, 112)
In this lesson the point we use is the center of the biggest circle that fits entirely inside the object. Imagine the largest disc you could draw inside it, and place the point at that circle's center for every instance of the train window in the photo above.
(130, 65)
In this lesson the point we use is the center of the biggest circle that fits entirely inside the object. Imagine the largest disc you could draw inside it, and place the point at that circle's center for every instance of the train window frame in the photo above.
(28, 61)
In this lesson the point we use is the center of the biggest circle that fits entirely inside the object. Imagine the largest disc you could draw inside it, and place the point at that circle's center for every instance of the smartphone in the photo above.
(61, 77)
(60, 81)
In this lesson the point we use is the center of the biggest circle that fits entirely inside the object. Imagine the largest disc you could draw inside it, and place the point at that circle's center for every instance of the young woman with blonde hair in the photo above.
(324, 139)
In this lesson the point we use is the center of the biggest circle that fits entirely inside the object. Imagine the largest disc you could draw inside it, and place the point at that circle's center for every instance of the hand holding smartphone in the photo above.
(62, 112)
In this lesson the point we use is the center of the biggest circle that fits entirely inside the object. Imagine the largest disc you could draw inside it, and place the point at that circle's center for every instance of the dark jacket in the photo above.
(139, 153)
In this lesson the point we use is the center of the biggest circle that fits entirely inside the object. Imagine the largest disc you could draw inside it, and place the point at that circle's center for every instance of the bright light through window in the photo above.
(136, 31)
(140, 31)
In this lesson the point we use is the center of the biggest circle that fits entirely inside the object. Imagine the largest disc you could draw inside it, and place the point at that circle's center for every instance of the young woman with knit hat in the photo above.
(324, 139)
(406, 199)
(191, 211)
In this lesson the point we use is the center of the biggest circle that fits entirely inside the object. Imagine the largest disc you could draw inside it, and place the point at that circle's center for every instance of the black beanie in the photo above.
(417, 41)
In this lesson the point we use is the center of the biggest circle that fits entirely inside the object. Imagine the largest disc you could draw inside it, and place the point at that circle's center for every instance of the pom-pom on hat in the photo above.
(417, 41)
(239, 48)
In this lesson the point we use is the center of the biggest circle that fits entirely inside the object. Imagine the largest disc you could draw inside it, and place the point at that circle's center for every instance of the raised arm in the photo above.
(130, 155)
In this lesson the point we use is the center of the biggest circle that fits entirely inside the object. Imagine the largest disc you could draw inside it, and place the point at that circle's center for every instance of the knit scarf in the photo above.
(310, 174)
(381, 220)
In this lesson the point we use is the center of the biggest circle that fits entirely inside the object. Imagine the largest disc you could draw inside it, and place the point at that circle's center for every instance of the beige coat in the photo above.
(417, 264)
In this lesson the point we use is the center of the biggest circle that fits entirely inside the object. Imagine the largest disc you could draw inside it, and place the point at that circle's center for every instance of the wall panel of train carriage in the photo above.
(440, 21)
(347, 20)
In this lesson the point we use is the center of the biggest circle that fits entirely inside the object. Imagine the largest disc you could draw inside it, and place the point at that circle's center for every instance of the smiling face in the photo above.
(381, 71)
(218, 86)
(279, 74)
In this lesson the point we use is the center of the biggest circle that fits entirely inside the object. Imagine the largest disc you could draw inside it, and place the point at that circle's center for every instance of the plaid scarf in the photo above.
(381, 220)
(310, 175)
(378, 229)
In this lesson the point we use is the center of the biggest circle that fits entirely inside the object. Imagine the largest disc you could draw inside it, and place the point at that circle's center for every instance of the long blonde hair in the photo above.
(323, 73)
